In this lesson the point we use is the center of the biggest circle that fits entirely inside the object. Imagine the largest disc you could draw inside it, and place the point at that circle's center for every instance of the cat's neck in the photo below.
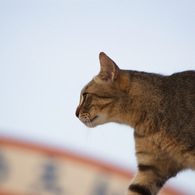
(142, 100)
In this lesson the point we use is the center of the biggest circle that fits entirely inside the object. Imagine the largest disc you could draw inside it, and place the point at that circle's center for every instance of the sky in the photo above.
(49, 50)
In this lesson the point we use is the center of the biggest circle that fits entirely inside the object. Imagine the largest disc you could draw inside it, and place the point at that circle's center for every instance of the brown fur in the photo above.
(161, 109)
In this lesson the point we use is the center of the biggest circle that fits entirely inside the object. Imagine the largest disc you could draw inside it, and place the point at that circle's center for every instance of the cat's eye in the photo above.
(84, 97)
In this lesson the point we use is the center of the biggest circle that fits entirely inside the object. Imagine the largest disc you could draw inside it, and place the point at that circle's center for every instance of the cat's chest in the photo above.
(157, 142)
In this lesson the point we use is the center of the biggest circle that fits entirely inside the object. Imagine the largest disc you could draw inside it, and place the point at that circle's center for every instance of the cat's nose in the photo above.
(77, 112)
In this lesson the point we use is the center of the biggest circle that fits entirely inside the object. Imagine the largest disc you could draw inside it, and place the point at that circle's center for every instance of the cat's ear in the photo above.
(109, 70)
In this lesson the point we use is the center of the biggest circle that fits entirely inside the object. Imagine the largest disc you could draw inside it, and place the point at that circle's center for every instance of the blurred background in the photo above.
(49, 50)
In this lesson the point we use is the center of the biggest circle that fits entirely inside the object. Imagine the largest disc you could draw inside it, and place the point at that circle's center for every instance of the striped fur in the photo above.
(161, 109)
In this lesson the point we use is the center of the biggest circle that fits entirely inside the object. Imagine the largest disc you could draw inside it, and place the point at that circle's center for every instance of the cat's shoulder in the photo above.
(184, 74)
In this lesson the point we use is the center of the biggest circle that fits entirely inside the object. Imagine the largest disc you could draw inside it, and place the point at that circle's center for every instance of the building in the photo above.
(27, 169)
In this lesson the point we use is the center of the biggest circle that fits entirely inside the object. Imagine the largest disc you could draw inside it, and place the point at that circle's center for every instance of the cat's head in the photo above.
(101, 98)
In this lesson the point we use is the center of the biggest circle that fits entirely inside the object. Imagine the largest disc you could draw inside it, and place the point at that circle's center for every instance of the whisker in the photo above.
(87, 129)
(88, 122)
(87, 132)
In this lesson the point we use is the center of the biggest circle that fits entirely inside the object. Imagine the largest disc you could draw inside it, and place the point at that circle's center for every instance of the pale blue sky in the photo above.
(49, 51)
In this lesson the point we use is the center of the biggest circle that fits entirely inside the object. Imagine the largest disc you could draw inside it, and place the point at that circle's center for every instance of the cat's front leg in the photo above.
(145, 184)
(151, 177)
(131, 193)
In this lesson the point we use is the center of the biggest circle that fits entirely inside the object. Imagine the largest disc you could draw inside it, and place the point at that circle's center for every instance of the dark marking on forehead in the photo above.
(85, 89)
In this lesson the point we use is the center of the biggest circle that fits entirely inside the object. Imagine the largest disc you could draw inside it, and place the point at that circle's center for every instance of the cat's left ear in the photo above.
(109, 69)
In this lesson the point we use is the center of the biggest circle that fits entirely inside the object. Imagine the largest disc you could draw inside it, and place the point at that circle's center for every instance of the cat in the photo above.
(161, 109)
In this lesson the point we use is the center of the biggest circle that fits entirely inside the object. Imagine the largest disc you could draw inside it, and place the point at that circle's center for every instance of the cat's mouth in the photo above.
(95, 117)
(89, 122)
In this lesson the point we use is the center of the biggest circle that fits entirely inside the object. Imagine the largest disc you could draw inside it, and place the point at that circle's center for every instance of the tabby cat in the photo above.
(161, 109)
